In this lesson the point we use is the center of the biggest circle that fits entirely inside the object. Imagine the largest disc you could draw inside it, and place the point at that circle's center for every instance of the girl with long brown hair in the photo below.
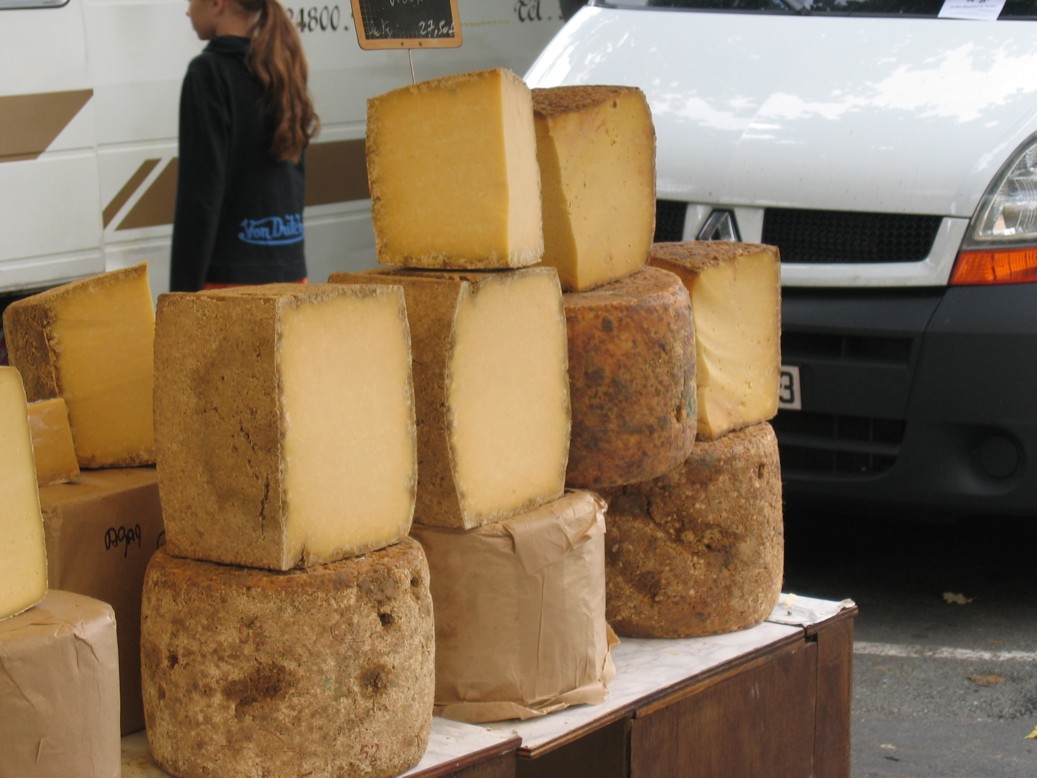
(246, 118)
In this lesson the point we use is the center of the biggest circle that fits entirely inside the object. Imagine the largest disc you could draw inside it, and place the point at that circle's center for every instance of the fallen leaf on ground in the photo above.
(1032, 735)
(957, 599)
(986, 680)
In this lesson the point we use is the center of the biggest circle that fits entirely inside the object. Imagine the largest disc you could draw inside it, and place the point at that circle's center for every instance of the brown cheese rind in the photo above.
(631, 378)
(321, 672)
(700, 550)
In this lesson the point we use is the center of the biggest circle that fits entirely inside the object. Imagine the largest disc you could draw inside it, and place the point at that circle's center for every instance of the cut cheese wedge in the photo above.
(490, 373)
(453, 176)
(284, 417)
(52, 446)
(23, 548)
(735, 293)
(596, 149)
(91, 343)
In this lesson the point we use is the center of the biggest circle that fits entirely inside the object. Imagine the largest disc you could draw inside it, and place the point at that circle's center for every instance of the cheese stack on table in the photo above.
(59, 671)
(517, 565)
(699, 549)
(287, 622)
(85, 350)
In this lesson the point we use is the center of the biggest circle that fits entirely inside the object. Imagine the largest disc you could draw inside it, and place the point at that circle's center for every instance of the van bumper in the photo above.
(921, 399)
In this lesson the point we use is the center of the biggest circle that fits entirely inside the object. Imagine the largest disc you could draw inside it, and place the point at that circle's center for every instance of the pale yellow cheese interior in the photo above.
(736, 305)
(453, 173)
(508, 393)
(350, 461)
(596, 150)
(52, 447)
(23, 551)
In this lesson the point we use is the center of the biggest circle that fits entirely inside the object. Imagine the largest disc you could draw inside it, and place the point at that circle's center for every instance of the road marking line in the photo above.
(924, 652)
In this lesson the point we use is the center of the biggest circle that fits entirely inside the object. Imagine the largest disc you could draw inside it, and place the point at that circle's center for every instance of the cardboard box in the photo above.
(101, 530)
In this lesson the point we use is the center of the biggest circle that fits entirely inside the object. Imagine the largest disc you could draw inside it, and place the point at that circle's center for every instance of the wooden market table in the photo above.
(769, 701)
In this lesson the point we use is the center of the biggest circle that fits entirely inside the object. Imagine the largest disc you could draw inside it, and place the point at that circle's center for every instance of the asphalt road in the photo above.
(945, 647)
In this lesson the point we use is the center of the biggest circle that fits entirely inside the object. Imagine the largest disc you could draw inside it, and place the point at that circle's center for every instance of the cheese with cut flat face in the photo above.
(492, 389)
(631, 379)
(735, 293)
(327, 671)
(59, 690)
(699, 550)
(52, 446)
(596, 150)
(91, 343)
(453, 175)
(23, 548)
(284, 418)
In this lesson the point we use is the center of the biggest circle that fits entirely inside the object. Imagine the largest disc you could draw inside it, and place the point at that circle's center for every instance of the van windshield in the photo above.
(1013, 9)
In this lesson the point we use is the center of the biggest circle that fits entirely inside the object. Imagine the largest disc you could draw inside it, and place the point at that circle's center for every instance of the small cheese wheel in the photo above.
(631, 379)
(735, 291)
(596, 149)
(284, 418)
(491, 390)
(320, 672)
(59, 690)
(700, 550)
(91, 342)
(452, 170)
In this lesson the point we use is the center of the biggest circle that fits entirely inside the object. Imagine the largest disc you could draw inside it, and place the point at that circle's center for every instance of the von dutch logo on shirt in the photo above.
(272, 230)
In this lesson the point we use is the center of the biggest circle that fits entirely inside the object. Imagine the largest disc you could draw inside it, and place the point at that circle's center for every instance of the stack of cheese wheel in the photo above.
(287, 622)
(699, 550)
(456, 208)
(59, 671)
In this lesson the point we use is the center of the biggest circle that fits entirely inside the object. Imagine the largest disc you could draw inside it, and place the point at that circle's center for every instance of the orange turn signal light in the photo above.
(1001, 266)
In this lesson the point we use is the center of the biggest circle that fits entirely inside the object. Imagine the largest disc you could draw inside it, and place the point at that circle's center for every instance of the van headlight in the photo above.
(1001, 244)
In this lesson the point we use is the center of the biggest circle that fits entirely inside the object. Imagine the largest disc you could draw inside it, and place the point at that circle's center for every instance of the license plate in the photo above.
(789, 393)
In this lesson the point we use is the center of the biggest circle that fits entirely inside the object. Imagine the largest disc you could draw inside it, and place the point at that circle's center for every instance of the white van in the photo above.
(89, 94)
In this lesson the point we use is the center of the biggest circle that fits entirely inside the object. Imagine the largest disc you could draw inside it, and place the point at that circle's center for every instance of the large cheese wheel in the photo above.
(320, 672)
(735, 291)
(284, 416)
(596, 149)
(452, 170)
(631, 379)
(59, 690)
(91, 342)
(520, 612)
(491, 390)
(699, 550)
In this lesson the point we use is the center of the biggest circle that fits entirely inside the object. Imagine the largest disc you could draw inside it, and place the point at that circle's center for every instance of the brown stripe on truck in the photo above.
(30, 123)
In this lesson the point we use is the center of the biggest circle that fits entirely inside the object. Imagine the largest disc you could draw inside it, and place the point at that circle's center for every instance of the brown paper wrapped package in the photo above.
(520, 612)
(59, 690)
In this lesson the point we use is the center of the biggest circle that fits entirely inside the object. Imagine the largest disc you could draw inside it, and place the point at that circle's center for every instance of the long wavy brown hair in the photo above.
(276, 56)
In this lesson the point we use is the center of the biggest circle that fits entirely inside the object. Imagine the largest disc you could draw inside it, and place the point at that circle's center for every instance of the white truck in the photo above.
(89, 93)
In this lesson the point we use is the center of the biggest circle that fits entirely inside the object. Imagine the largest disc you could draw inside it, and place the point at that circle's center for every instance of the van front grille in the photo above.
(839, 237)
(813, 444)
(669, 220)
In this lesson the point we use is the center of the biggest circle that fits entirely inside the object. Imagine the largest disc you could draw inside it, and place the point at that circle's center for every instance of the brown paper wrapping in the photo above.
(101, 531)
(59, 690)
(520, 612)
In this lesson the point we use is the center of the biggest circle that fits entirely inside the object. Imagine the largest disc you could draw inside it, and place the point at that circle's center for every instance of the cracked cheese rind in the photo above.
(326, 671)
(735, 293)
(285, 422)
(492, 389)
(596, 150)
(52, 446)
(453, 176)
(23, 548)
(91, 343)
(631, 378)
(699, 550)
(59, 690)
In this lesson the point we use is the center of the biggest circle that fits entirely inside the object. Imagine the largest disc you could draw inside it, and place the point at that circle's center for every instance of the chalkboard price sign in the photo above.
(407, 24)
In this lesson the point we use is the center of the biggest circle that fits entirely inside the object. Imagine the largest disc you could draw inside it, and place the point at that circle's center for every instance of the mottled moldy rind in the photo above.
(319, 672)
(699, 550)
(631, 379)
